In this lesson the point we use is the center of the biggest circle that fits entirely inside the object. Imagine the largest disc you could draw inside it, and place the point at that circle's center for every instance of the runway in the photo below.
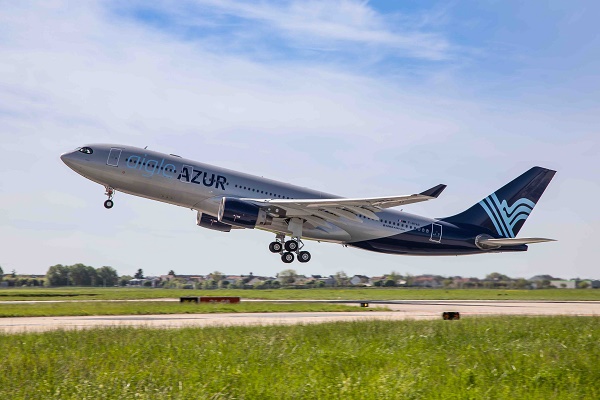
(400, 310)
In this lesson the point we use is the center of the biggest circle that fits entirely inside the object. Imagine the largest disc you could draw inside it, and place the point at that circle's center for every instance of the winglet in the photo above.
(434, 191)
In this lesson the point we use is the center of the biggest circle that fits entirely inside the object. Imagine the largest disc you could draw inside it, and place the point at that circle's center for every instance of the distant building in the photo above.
(564, 284)
(360, 280)
(461, 283)
(375, 279)
(427, 281)
(329, 281)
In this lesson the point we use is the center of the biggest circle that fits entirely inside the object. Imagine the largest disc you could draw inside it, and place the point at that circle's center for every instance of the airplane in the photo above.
(227, 200)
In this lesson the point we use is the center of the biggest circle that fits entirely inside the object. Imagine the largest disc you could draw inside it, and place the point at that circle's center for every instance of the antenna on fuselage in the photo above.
(145, 147)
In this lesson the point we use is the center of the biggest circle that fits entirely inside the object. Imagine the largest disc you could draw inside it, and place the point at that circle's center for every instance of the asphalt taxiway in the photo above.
(399, 310)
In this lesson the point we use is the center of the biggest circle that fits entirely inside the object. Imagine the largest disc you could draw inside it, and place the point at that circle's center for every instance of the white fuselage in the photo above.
(171, 179)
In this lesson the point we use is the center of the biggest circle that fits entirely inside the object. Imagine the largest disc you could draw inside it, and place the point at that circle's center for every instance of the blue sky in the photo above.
(355, 98)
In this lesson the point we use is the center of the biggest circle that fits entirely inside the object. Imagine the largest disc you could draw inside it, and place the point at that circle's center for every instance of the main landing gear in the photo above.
(287, 249)
(110, 193)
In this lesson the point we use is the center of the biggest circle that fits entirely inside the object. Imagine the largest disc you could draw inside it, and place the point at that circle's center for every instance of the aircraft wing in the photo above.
(319, 211)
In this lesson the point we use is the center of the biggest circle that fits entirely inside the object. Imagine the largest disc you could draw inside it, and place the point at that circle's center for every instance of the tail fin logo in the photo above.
(505, 217)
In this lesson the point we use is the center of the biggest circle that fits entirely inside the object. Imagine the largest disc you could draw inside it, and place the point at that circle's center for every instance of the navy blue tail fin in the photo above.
(504, 212)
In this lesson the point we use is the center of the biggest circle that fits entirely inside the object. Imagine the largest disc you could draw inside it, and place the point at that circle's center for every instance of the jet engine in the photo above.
(210, 222)
(242, 214)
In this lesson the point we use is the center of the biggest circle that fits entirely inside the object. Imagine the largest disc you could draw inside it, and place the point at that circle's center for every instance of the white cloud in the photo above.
(332, 25)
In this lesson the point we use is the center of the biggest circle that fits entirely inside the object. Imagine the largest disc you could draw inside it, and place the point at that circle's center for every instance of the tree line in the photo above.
(81, 275)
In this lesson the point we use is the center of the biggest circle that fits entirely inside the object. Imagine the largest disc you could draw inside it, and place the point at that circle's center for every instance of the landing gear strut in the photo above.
(109, 203)
(287, 249)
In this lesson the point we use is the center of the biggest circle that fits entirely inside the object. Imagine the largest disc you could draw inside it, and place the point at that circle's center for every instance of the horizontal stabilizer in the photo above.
(490, 243)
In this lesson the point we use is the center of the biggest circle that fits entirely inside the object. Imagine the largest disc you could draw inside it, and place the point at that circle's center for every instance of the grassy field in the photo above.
(161, 307)
(481, 358)
(299, 294)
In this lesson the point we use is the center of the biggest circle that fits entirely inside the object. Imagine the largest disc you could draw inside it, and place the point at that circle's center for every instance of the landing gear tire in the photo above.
(291, 245)
(275, 247)
(287, 257)
(304, 256)
(109, 204)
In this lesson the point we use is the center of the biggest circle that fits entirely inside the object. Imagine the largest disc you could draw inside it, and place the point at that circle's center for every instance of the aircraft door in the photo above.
(113, 157)
(436, 233)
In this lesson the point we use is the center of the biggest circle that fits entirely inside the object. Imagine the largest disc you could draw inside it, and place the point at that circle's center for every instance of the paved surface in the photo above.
(416, 309)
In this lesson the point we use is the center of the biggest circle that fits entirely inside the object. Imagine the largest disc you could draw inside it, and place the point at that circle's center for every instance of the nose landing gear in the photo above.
(109, 203)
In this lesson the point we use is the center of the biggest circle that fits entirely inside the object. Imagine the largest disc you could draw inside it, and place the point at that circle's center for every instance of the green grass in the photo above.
(161, 307)
(481, 358)
(299, 294)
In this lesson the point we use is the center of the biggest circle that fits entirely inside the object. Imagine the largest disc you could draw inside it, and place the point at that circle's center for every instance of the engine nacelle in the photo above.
(241, 213)
(210, 222)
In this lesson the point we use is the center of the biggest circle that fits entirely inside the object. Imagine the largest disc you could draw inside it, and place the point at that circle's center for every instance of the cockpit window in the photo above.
(86, 150)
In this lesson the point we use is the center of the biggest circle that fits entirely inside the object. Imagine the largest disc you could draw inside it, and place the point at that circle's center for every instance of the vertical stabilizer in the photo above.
(504, 212)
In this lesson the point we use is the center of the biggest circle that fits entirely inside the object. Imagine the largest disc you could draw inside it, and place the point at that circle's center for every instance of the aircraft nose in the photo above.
(68, 158)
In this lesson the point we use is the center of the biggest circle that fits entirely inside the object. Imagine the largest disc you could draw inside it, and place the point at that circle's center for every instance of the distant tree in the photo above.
(171, 272)
(389, 283)
(224, 284)
(545, 283)
(91, 276)
(261, 285)
(107, 276)
(13, 273)
(447, 282)
(1, 273)
(209, 284)
(124, 280)
(563, 285)
(320, 284)
(22, 282)
(522, 283)
(217, 276)
(139, 274)
(378, 283)
(57, 275)
(341, 278)
(288, 276)
(82, 275)
(583, 285)
(394, 275)
(496, 276)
